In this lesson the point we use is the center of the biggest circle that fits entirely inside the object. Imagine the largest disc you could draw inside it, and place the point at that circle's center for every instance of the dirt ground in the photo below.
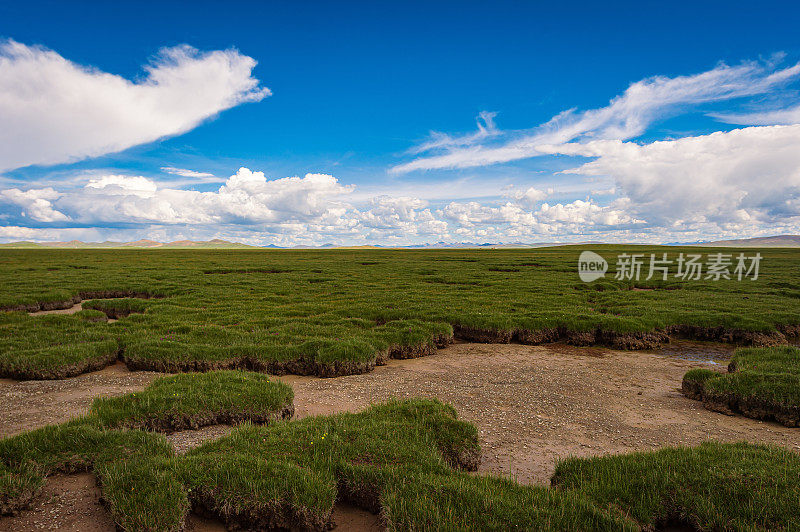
(68, 503)
(74, 309)
(532, 405)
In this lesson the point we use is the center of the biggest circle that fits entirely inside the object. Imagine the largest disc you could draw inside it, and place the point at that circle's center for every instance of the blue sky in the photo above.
(357, 89)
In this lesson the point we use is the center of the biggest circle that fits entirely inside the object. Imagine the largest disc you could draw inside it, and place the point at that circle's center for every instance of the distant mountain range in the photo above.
(781, 241)
(178, 244)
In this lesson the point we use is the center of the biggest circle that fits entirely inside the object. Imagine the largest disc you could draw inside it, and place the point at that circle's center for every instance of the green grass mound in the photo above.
(711, 487)
(91, 315)
(193, 400)
(762, 383)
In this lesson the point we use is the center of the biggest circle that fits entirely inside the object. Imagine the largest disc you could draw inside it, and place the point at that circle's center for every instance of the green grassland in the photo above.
(762, 383)
(337, 312)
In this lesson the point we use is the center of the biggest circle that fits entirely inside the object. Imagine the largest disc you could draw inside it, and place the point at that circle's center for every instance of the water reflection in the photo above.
(714, 353)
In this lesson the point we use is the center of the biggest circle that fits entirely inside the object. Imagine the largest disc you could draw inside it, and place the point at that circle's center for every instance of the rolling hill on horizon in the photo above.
(778, 241)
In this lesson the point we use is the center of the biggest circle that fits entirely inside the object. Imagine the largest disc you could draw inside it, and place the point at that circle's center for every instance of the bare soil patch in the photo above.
(186, 440)
(66, 503)
(77, 307)
(351, 518)
(26, 405)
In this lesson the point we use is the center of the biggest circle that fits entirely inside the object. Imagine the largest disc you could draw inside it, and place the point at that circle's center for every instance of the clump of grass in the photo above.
(401, 459)
(26, 459)
(18, 485)
(60, 361)
(784, 359)
(694, 381)
(711, 487)
(260, 494)
(145, 494)
(762, 383)
(190, 401)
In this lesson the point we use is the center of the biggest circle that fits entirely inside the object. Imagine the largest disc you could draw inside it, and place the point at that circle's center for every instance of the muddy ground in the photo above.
(531, 404)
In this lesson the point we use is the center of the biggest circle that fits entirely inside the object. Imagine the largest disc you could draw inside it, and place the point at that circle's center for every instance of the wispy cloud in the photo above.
(486, 130)
(786, 116)
(183, 172)
(625, 117)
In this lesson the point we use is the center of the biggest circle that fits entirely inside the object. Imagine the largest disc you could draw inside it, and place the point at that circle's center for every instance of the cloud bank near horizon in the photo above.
(706, 191)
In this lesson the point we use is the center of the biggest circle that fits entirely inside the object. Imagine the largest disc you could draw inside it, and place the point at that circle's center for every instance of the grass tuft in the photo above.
(762, 383)
(190, 401)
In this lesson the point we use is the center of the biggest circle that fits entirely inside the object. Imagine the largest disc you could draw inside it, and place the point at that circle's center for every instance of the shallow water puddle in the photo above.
(713, 353)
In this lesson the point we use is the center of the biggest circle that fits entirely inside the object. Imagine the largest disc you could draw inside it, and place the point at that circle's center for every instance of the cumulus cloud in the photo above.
(746, 175)
(680, 190)
(311, 209)
(528, 197)
(246, 197)
(56, 111)
(36, 203)
(625, 117)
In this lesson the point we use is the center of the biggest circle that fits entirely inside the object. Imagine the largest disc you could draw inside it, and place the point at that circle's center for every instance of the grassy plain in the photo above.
(336, 312)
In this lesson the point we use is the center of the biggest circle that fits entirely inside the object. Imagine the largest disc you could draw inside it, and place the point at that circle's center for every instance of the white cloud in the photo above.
(627, 116)
(296, 210)
(528, 197)
(486, 129)
(746, 175)
(36, 203)
(787, 116)
(55, 111)
(15, 233)
(183, 172)
(124, 185)
(246, 197)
